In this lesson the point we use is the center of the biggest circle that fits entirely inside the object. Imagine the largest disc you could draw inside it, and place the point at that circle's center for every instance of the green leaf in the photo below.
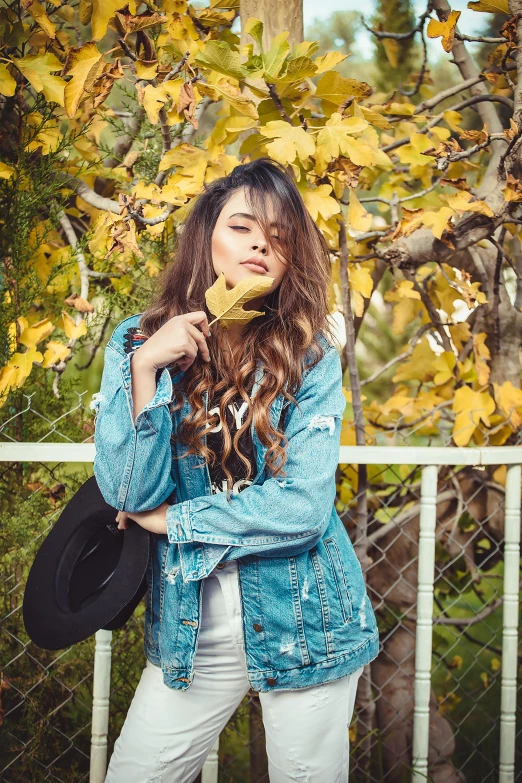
(221, 58)
(254, 28)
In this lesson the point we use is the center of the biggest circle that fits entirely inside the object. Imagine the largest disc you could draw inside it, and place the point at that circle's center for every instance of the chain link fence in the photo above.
(46, 697)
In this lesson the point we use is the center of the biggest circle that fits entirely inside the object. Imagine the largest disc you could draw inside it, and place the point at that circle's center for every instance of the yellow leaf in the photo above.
(227, 306)
(102, 12)
(150, 211)
(290, 141)
(509, 401)
(73, 330)
(403, 290)
(444, 365)
(445, 29)
(391, 48)
(37, 69)
(48, 137)
(461, 202)
(15, 372)
(490, 6)
(32, 335)
(360, 280)
(55, 351)
(361, 286)
(348, 395)
(146, 70)
(80, 64)
(6, 172)
(39, 15)
(232, 95)
(329, 61)
(358, 218)
(438, 221)
(319, 202)
(7, 83)
(419, 366)
(334, 136)
(471, 408)
(332, 89)
(482, 354)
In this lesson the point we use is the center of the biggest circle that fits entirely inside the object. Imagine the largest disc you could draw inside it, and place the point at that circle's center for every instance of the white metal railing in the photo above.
(429, 457)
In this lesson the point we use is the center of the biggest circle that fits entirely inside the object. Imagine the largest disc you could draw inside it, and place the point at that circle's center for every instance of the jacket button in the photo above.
(271, 681)
(257, 627)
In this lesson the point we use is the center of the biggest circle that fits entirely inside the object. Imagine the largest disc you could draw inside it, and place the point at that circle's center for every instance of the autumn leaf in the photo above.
(72, 329)
(79, 303)
(471, 408)
(291, 141)
(55, 351)
(16, 371)
(482, 355)
(102, 12)
(82, 64)
(509, 401)
(490, 6)
(31, 335)
(319, 202)
(227, 306)
(445, 29)
(358, 217)
(39, 15)
(38, 70)
(218, 56)
(6, 172)
(7, 83)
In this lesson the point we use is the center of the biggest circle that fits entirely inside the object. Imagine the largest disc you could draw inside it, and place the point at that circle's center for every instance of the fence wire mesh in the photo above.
(46, 697)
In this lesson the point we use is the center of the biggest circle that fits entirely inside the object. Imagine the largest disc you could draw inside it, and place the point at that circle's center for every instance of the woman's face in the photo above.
(237, 238)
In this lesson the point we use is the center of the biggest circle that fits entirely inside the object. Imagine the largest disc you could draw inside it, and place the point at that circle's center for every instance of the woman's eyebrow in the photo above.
(246, 215)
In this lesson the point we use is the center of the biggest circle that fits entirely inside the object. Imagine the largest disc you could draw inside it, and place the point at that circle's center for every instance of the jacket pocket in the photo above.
(334, 557)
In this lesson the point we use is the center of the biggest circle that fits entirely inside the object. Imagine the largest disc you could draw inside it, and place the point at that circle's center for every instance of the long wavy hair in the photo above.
(295, 313)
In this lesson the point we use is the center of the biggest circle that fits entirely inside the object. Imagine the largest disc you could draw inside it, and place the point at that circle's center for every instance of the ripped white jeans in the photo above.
(168, 733)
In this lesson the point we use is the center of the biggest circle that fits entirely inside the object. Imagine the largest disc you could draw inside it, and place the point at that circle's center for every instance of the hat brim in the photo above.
(87, 574)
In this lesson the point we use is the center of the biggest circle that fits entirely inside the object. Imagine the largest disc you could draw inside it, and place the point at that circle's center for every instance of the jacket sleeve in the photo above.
(282, 516)
(128, 483)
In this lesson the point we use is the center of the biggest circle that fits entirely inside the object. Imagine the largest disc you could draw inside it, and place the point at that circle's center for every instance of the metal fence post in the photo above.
(508, 688)
(423, 640)
(101, 690)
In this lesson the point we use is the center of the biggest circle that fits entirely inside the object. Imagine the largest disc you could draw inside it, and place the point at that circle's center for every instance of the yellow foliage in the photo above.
(16, 371)
(55, 351)
(509, 401)
(445, 29)
(31, 335)
(290, 142)
(72, 329)
(38, 70)
(471, 408)
(227, 306)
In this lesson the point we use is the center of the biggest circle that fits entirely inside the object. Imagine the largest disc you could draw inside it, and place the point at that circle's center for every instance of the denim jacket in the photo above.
(306, 615)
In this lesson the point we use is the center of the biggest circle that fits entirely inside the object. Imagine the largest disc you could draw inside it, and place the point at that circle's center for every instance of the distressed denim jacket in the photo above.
(306, 616)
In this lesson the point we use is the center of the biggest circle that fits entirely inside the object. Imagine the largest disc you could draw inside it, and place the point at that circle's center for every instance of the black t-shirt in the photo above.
(236, 413)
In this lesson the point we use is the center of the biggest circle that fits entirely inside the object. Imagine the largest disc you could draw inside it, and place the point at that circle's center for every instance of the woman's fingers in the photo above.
(122, 518)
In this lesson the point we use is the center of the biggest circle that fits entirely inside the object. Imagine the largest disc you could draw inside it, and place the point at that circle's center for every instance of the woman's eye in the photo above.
(240, 227)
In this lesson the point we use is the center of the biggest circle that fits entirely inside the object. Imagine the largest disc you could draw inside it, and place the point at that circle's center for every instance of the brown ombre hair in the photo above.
(295, 313)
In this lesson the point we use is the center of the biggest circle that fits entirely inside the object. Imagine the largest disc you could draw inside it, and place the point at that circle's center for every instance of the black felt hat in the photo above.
(87, 574)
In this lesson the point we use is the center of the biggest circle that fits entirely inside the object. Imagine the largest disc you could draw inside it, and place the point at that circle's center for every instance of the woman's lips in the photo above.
(255, 267)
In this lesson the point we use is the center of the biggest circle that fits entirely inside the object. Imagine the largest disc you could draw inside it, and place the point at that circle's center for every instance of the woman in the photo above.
(224, 444)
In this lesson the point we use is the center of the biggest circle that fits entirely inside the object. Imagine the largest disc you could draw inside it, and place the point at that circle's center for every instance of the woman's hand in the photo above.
(177, 341)
(154, 521)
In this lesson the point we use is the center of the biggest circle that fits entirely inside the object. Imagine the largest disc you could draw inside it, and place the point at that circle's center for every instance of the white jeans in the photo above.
(168, 733)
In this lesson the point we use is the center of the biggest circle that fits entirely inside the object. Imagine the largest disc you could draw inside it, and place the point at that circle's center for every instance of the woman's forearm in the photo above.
(143, 383)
